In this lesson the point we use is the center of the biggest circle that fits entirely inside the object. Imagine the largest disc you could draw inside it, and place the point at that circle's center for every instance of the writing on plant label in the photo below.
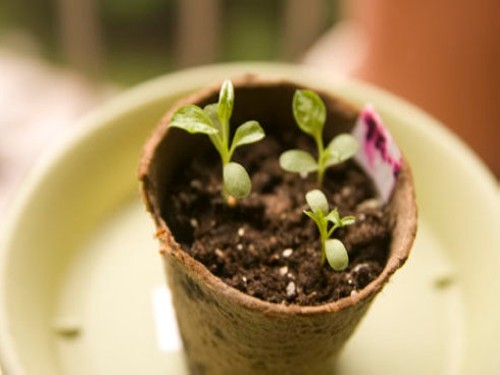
(378, 154)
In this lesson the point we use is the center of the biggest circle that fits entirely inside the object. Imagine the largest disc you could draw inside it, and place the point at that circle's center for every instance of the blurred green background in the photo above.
(128, 41)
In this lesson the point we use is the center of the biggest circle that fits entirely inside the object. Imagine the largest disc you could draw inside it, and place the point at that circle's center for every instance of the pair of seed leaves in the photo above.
(327, 221)
(310, 114)
(213, 120)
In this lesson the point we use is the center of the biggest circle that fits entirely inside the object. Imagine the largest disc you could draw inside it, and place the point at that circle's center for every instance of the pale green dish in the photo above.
(78, 261)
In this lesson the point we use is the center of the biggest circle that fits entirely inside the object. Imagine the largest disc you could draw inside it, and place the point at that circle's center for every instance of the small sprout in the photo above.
(310, 114)
(213, 120)
(332, 249)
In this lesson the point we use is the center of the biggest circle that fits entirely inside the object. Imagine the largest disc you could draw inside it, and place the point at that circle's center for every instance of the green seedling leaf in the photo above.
(334, 217)
(236, 180)
(317, 201)
(249, 132)
(341, 148)
(226, 101)
(216, 139)
(193, 120)
(312, 215)
(336, 254)
(309, 112)
(347, 220)
(212, 113)
(298, 161)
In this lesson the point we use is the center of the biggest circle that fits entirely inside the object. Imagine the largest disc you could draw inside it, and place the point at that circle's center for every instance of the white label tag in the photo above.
(167, 332)
(378, 154)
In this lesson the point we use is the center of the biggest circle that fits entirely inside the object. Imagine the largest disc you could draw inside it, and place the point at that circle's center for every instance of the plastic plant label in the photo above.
(378, 154)
(167, 332)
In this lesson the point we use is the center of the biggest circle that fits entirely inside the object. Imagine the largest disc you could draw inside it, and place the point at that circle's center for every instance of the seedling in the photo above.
(310, 114)
(332, 249)
(213, 120)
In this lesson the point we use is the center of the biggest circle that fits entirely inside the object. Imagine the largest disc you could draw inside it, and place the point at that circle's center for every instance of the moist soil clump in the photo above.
(265, 245)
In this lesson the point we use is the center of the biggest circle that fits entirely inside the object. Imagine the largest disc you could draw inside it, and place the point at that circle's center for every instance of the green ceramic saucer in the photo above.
(81, 285)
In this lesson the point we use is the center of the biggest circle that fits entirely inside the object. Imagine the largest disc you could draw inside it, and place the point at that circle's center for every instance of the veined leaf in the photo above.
(309, 112)
(341, 148)
(297, 161)
(226, 101)
(317, 201)
(249, 132)
(193, 120)
(336, 254)
(236, 180)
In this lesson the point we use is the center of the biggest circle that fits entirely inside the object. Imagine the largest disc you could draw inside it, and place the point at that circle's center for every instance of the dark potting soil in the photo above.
(266, 246)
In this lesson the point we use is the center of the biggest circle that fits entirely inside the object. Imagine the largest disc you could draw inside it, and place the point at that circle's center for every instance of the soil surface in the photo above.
(266, 246)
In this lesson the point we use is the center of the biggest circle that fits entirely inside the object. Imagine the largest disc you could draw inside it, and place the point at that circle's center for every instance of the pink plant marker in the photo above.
(378, 154)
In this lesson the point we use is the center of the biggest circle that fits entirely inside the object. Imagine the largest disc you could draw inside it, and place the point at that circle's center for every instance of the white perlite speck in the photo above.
(369, 204)
(283, 270)
(241, 232)
(193, 222)
(239, 247)
(290, 289)
(287, 252)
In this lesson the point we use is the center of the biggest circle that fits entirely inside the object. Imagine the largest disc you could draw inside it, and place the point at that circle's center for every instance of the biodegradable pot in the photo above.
(227, 331)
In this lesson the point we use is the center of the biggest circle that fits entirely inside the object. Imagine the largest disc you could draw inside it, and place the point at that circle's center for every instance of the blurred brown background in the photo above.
(128, 41)
(59, 58)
